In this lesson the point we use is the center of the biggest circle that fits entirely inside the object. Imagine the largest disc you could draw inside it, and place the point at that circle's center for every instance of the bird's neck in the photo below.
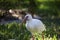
(29, 20)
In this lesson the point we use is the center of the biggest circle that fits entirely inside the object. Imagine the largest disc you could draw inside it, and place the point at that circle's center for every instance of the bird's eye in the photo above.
(26, 17)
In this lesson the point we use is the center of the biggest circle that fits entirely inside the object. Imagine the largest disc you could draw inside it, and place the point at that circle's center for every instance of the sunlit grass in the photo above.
(42, 6)
(44, 0)
(49, 37)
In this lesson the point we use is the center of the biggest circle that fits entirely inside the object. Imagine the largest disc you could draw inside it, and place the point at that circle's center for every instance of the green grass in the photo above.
(15, 31)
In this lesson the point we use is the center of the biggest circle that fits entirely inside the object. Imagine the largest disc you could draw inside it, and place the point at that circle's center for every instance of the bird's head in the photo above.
(27, 17)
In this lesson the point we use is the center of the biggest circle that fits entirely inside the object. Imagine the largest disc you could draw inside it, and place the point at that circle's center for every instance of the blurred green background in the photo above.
(48, 10)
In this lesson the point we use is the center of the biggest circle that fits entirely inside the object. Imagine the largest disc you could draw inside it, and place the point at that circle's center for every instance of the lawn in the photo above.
(15, 31)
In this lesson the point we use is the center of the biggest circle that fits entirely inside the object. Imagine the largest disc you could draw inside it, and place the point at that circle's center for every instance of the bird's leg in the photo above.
(43, 36)
(33, 37)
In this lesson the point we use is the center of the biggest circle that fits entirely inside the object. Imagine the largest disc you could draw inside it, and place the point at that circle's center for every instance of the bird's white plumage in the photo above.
(34, 25)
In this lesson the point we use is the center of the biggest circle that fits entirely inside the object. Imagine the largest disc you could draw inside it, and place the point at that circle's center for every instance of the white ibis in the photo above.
(34, 25)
